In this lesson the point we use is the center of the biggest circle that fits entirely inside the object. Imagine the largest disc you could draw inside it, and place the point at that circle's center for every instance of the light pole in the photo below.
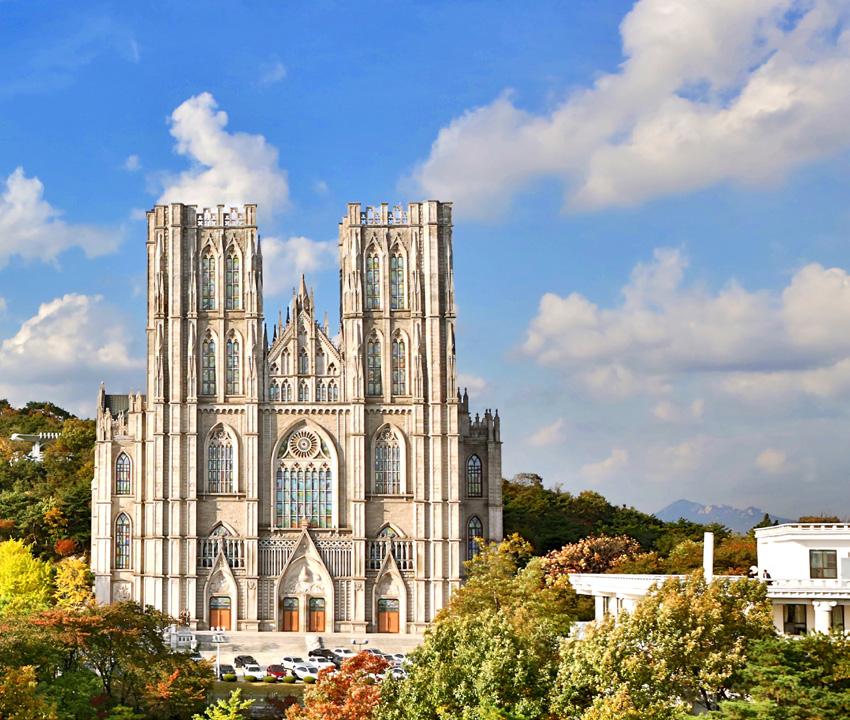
(357, 643)
(217, 639)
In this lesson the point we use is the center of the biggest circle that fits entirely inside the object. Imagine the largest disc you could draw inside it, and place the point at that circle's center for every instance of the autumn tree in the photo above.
(685, 643)
(590, 555)
(74, 580)
(25, 582)
(349, 694)
(232, 708)
(19, 698)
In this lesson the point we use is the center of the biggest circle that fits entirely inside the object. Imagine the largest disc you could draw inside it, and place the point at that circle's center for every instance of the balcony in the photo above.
(402, 550)
(233, 549)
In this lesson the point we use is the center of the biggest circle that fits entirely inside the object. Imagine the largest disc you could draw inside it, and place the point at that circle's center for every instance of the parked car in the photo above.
(243, 660)
(397, 672)
(323, 663)
(224, 669)
(305, 670)
(196, 656)
(252, 669)
(374, 651)
(343, 653)
(397, 659)
(290, 661)
(277, 671)
(326, 655)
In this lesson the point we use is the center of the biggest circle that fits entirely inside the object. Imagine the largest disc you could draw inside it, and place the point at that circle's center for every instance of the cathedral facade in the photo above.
(295, 479)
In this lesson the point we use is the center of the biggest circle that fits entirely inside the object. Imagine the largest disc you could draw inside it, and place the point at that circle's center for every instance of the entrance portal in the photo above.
(316, 616)
(387, 615)
(290, 614)
(220, 612)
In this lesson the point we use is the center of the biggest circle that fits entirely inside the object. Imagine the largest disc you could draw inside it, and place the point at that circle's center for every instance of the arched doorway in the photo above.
(289, 614)
(316, 615)
(220, 611)
(388, 615)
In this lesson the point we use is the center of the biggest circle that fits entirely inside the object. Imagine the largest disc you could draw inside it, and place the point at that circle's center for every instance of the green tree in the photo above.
(794, 679)
(233, 708)
(25, 583)
(685, 643)
(19, 698)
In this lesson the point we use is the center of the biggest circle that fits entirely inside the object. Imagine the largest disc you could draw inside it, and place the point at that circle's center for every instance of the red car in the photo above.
(277, 670)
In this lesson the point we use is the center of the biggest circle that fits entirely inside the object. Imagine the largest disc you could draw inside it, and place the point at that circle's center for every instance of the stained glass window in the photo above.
(122, 542)
(373, 282)
(333, 391)
(399, 367)
(208, 281)
(303, 391)
(220, 463)
(474, 531)
(286, 392)
(474, 485)
(122, 475)
(397, 292)
(274, 391)
(233, 384)
(208, 367)
(232, 296)
(387, 463)
(304, 482)
(373, 368)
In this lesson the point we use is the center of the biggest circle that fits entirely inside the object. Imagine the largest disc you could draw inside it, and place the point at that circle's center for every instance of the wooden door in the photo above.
(388, 615)
(290, 614)
(316, 617)
(220, 612)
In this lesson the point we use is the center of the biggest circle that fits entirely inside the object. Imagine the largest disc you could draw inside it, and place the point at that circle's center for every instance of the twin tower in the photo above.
(294, 479)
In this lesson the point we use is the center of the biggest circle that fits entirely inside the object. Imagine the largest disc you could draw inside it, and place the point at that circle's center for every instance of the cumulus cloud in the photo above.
(605, 469)
(284, 261)
(230, 168)
(65, 350)
(708, 92)
(771, 461)
(551, 434)
(673, 412)
(749, 342)
(473, 383)
(31, 228)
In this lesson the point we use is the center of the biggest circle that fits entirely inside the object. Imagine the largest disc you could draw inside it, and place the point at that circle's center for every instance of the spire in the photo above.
(303, 299)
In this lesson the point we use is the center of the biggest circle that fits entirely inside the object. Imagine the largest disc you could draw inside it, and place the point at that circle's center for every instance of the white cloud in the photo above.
(284, 261)
(226, 168)
(551, 434)
(132, 163)
(320, 187)
(708, 92)
(31, 228)
(138, 214)
(672, 412)
(473, 383)
(3, 305)
(65, 350)
(272, 72)
(771, 461)
(605, 469)
(750, 343)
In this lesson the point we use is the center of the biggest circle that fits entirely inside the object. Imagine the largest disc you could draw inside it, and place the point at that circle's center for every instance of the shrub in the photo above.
(269, 679)
(309, 680)
(288, 679)
(228, 677)
(251, 678)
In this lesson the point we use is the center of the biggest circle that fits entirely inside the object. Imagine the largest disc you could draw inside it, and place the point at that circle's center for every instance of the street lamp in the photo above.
(356, 643)
(217, 640)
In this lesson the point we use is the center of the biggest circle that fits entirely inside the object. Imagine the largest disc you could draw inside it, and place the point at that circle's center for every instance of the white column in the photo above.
(823, 615)
(599, 603)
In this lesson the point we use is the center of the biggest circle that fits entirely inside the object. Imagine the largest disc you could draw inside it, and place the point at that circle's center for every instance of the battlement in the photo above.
(398, 215)
(216, 217)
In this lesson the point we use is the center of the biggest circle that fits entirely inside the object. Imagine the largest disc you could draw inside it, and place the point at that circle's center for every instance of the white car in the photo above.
(290, 661)
(322, 663)
(397, 659)
(252, 669)
(305, 670)
(343, 653)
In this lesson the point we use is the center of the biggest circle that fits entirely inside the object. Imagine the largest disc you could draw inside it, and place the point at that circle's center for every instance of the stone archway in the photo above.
(389, 599)
(221, 596)
(304, 592)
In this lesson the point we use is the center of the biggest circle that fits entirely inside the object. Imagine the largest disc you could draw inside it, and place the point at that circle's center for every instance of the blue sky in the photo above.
(651, 239)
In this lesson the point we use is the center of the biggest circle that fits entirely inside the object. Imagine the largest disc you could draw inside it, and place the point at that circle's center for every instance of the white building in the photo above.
(808, 569)
(295, 480)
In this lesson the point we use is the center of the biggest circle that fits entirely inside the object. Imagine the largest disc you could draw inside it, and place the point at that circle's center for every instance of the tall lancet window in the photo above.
(373, 282)
(208, 367)
(208, 281)
(399, 368)
(122, 542)
(373, 368)
(303, 362)
(397, 290)
(320, 362)
(474, 532)
(233, 385)
(387, 463)
(122, 475)
(220, 463)
(304, 482)
(232, 278)
(474, 485)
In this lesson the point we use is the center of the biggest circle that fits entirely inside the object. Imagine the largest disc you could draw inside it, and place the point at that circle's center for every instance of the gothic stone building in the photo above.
(302, 482)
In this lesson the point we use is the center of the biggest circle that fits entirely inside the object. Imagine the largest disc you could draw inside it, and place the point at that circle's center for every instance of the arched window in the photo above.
(232, 277)
(387, 463)
(303, 362)
(208, 367)
(303, 392)
(321, 392)
(285, 362)
(474, 532)
(286, 391)
(397, 290)
(304, 481)
(331, 369)
(373, 282)
(222, 540)
(233, 385)
(122, 542)
(208, 281)
(220, 463)
(320, 362)
(474, 485)
(122, 475)
(399, 367)
(274, 391)
(333, 392)
(373, 368)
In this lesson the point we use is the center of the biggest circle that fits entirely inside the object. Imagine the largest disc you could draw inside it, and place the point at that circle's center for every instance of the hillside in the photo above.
(737, 519)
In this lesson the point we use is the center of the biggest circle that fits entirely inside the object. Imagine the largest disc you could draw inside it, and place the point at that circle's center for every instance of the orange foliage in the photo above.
(65, 547)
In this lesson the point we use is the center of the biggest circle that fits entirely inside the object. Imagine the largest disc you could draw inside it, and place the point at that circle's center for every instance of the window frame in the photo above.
(123, 474)
(474, 476)
(823, 570)
(123, 537)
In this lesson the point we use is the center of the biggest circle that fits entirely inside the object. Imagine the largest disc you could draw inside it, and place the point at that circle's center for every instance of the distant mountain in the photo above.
(740, 521)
